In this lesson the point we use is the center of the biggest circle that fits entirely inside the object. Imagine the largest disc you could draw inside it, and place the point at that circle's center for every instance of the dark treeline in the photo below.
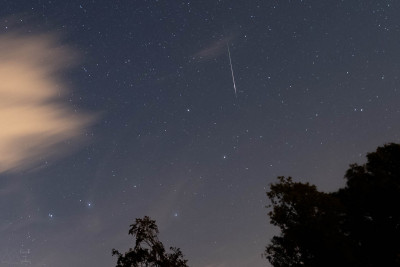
(358, 225)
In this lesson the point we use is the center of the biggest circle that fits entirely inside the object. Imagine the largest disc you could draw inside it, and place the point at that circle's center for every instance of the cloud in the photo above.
(35, 121)
(213, 50)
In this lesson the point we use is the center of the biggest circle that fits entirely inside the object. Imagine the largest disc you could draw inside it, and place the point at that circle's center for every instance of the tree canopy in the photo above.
(148, 250)
(358, 225)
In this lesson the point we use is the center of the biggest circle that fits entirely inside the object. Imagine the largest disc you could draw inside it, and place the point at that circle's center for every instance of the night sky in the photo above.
(113, 110)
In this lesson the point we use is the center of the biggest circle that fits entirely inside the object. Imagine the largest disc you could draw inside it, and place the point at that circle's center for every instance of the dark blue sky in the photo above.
(317, 88)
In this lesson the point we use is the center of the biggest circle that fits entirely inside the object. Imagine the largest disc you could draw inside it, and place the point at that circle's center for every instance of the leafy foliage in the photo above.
(359, 225)
(148, 250)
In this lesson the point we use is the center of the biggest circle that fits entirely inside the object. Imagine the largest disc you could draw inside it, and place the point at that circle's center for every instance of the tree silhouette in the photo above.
(148, 250)
(358, 225)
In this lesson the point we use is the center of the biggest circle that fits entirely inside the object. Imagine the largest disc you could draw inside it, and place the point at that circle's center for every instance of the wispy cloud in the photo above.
(212, 50)
(35, 120)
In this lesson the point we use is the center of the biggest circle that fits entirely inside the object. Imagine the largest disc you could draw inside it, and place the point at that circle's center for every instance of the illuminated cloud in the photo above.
(35, 119)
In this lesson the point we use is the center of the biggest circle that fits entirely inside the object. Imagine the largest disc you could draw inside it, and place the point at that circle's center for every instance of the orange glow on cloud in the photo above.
(35, 120)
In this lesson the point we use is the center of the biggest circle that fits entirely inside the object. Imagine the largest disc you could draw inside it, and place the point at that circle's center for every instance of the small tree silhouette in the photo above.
(148, 250)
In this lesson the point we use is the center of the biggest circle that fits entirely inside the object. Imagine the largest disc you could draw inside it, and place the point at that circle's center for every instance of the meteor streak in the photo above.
(230, 63)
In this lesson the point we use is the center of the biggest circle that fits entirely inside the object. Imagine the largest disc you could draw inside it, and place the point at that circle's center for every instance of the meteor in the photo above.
(230, 63)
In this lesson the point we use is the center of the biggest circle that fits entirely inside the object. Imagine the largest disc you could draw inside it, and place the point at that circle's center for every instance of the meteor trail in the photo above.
(230, 63)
